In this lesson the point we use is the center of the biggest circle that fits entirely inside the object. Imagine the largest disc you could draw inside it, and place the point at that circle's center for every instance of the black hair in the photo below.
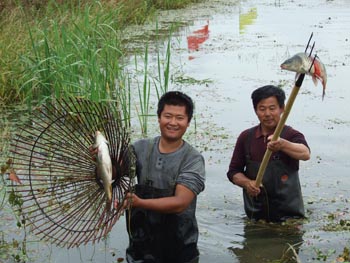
(176, 98)
(266, 92)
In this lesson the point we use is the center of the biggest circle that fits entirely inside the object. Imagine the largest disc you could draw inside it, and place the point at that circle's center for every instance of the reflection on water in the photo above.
(246, 19)
(195, 39)
(265, 242)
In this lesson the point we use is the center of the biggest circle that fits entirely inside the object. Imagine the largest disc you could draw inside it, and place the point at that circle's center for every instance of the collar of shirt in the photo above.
(258, 132)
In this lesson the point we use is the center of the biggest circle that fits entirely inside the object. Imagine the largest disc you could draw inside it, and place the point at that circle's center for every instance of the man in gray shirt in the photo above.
(170, 174)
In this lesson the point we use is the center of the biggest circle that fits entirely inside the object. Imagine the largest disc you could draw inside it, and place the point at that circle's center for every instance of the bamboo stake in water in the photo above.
(279, 128)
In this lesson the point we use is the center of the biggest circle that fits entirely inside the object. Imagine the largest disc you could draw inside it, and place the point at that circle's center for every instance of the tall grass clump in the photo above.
(144, 93)
(12, 38)
(55, 47)
(76, 48)
(161, 82)
(84, 59)
(154, 80)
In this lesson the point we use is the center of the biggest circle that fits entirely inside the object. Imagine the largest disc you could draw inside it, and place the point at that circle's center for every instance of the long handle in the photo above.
(279, 128)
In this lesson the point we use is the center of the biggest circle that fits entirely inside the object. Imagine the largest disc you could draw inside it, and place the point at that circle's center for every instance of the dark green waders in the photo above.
(280, 196)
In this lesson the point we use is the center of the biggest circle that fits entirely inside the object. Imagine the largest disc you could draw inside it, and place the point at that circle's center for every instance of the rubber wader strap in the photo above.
(247, 144)
(149, 154)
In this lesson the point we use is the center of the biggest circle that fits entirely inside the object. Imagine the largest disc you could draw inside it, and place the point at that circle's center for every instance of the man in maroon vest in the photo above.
(280, 196)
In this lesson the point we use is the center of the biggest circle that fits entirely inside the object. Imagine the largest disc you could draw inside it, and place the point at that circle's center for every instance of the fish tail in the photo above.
(109, 198)
(324, 92)
(324, 80)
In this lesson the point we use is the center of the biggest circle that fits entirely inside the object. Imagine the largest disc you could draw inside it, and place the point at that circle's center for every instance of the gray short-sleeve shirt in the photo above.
(185, 166)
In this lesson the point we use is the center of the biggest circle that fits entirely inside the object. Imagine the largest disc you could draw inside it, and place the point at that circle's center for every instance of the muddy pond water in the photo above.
(228, 49)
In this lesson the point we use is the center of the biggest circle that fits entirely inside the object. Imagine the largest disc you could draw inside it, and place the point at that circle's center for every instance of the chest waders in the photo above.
(157, 237)
(280, 197)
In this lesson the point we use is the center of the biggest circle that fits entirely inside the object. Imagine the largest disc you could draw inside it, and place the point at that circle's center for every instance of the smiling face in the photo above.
(173, 122)
(268, 112)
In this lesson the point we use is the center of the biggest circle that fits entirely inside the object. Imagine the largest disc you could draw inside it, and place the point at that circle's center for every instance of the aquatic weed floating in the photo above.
(57, 184)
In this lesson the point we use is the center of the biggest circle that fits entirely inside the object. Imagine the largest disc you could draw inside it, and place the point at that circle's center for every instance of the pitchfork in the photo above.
(284, 117)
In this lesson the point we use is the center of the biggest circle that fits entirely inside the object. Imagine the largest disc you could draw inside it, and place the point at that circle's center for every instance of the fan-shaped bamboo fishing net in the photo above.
(60, 194)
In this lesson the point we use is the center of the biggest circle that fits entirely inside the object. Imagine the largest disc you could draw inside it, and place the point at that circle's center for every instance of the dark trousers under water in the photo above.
(280, 196)
(155, 237)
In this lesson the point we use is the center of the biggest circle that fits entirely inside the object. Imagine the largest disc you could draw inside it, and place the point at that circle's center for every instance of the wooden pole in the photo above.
(279, 128)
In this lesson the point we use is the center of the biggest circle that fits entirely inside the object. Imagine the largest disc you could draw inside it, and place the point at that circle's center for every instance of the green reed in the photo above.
(87, 60)
(159, 79)
(56, 47)
(162, 80)
(82, 60)
(124, 98)
(77, 50)
(144, 97)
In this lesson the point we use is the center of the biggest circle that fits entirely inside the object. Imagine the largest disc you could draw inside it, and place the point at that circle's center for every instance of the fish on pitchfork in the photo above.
(301, 63)
(104, 166)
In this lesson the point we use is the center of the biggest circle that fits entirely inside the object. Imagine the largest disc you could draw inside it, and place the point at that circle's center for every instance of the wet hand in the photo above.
(131, 200)
(251, 188)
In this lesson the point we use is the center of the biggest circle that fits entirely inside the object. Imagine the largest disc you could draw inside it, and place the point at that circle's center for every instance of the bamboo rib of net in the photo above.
(62, 198)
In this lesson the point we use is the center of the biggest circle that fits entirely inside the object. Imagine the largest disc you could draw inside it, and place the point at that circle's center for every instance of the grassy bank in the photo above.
(54, 48)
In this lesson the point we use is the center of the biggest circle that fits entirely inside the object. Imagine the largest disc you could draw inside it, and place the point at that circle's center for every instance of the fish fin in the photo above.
(324, 92)
(314, 79)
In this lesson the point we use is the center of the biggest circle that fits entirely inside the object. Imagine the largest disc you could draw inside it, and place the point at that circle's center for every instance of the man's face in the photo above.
(269, 112)
(173, 122)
